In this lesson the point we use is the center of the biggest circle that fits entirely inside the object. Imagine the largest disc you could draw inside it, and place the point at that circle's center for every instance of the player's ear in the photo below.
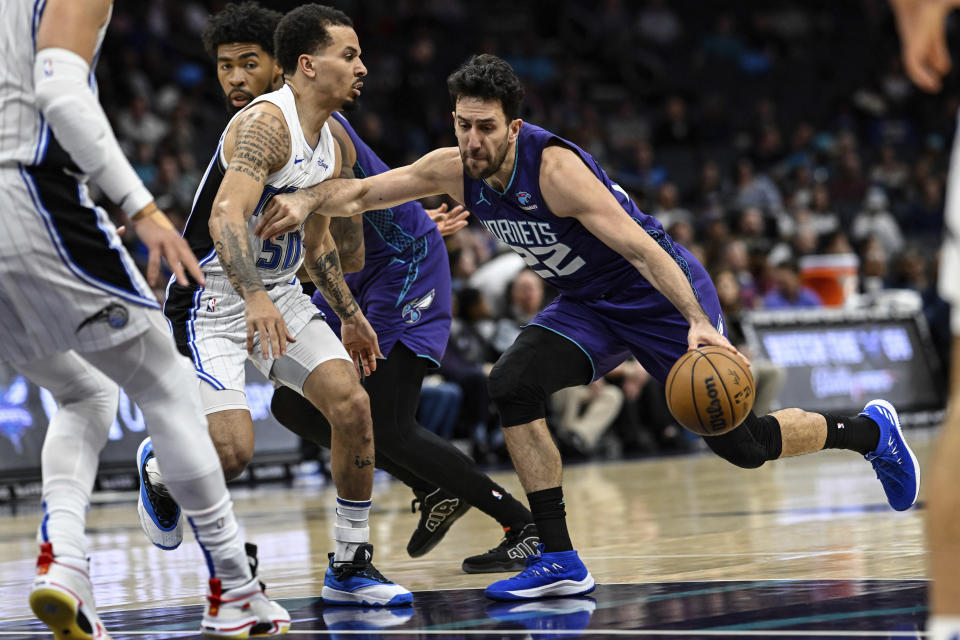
(305, 64)
(514, 128)
(277, 79)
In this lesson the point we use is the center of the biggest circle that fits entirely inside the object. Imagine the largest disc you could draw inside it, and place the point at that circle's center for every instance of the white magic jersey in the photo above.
(278, 260)
(24, 134)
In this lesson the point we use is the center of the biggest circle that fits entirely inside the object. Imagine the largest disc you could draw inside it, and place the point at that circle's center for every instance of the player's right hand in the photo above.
(284, 212)
(157, 233)
(264, 319)
(704, 333)
(923, 34)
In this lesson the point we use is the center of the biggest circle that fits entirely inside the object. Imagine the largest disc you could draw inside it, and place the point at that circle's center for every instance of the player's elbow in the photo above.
(220, 214)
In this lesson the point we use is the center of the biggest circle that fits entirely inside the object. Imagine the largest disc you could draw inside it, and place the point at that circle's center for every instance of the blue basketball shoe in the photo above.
(359, 583)
(894, 462)
(159, 513)
(558, 573)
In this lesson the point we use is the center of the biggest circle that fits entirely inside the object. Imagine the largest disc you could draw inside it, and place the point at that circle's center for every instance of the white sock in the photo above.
(217, 533)
(352, 528)
(64, 516)
(943, 627)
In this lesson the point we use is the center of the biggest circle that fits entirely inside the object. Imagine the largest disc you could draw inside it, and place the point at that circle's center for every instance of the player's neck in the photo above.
(312, 111)
(501, 179)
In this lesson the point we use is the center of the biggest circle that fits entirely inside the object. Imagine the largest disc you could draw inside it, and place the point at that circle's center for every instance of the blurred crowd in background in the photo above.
(759, 133)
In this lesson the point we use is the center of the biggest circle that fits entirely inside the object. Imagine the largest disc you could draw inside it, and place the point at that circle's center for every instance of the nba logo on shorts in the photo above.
(211, 304)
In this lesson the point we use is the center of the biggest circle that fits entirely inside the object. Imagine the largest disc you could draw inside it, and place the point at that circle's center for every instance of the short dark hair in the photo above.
(487, 77)
(245, 22)
(304, 30)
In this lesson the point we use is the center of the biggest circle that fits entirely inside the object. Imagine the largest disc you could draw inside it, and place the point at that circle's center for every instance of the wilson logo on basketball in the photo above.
(714, 410)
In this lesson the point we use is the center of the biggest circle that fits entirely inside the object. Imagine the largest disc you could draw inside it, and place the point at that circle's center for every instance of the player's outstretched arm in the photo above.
(322, 262)
(254, 146)
(66, 40)
(438, 172)
(570, 189)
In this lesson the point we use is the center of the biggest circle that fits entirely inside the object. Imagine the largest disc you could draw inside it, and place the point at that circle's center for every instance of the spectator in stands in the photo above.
(889, 172)
(874, 265)
(525, 299)
(645, 176)
(788, 292)
(875, 219)
(925, 217)
(658, 23)
(755, 190)
(848, 186)
(676, 129)
(137, 124)
(668, 209)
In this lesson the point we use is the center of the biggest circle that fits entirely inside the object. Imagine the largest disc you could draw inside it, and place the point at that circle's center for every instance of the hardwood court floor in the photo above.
(804, 547)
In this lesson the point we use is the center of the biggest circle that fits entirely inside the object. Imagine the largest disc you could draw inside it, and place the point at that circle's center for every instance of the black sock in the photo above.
(857, 433)
(551, 519)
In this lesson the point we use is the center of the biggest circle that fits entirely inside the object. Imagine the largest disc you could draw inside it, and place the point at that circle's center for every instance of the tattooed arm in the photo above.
(323, 264)
(348, 236)
(347, 232)
(255, 145)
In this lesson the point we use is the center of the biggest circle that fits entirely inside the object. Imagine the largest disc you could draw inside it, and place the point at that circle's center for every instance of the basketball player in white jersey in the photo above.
(252, 304)
(78, 317)
(922, 26)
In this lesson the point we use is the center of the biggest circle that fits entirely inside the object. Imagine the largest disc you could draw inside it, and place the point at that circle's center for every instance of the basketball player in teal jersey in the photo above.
(922, 27)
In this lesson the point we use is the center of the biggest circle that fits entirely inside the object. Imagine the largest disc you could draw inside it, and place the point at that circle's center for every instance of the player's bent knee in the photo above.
(97, 401)
(519, 401)
(352, 410)
(749, 445)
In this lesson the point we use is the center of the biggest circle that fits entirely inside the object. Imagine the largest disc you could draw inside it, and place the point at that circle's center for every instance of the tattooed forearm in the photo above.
(348, 235)
(262, 145)
(327, 274)
(233, 250)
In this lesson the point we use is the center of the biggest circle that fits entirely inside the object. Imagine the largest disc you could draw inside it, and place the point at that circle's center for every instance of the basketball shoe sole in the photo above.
(62, 598)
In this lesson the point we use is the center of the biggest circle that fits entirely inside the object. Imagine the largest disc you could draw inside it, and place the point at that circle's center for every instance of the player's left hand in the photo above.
(449, 222)
(360, 341)
(163, 241)
(284, 213)
(704, 333)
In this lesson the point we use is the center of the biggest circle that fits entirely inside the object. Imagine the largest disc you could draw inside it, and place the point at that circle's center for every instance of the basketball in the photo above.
(709, 391)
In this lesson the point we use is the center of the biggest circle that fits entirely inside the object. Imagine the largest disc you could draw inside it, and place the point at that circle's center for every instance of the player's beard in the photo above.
(234, 110)
(492, 166)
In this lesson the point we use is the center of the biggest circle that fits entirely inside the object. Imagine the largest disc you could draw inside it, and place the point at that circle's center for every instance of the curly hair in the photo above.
(487, 77)
(245, 22)
(304, 30)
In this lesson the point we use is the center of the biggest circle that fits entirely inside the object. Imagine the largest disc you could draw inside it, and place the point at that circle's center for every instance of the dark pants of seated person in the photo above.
(404, 449)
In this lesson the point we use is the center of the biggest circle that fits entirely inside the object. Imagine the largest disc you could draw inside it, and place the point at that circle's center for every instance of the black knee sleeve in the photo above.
(751, 444)
(538, 363)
